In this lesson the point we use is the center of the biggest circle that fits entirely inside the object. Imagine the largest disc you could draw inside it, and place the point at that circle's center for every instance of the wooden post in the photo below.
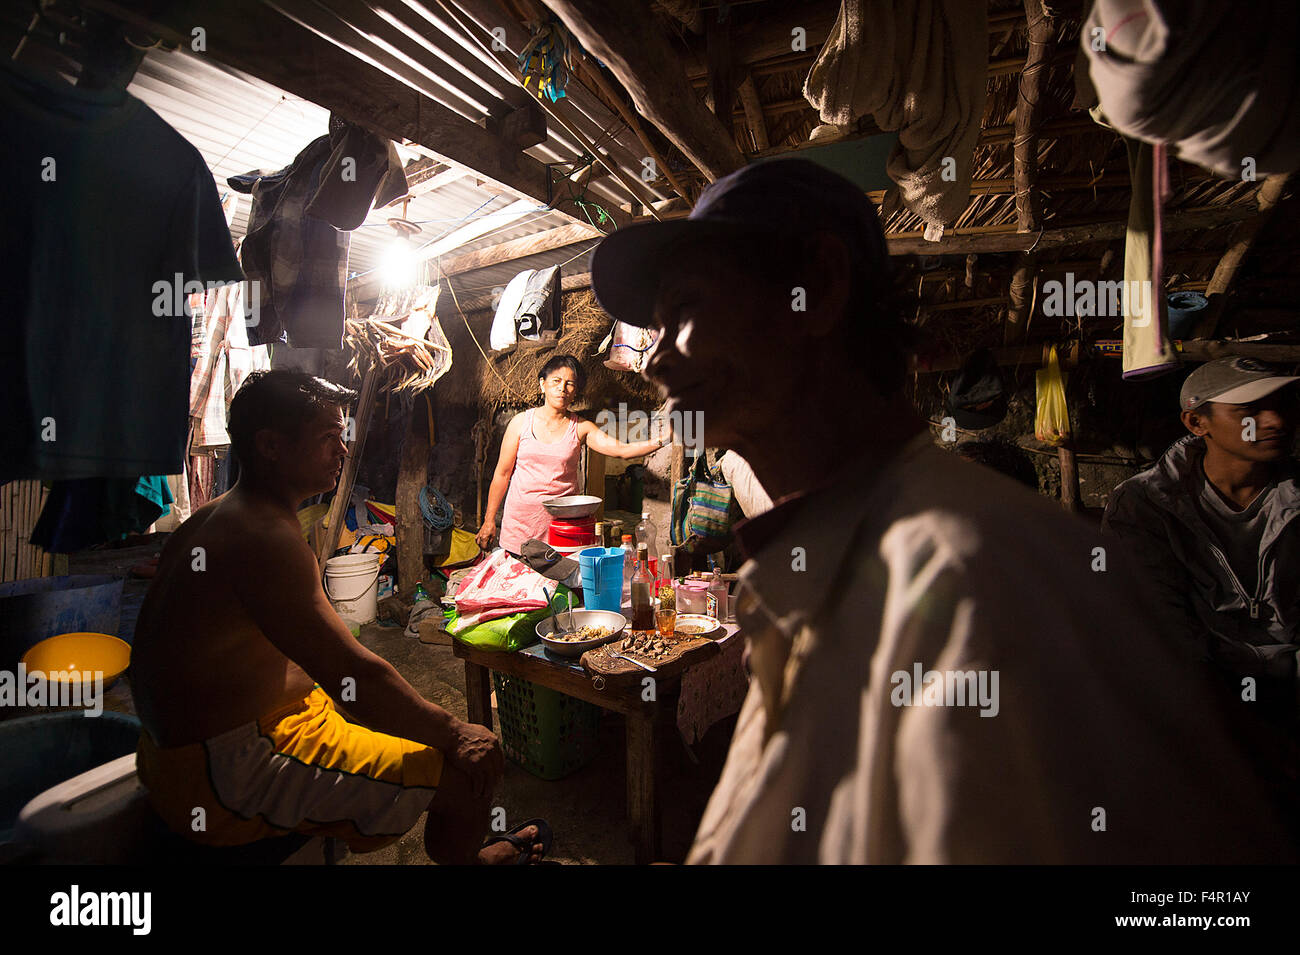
(478, 694)
(642, 791)
(328, 538)
(1028, 120)
(596, 479)
(1069, 476)
(1267, 196)
(412, 474)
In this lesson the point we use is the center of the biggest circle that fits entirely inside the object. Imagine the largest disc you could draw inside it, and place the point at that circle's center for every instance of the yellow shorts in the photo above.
(302, 769)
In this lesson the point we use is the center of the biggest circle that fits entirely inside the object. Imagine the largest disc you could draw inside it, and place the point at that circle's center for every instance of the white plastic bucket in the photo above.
(352, 582)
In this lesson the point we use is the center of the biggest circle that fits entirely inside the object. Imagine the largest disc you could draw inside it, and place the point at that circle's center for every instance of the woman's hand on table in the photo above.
(477, 753)
(486, 534)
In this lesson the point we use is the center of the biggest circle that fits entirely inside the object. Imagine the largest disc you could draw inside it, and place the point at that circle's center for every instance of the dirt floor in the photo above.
(587, 811)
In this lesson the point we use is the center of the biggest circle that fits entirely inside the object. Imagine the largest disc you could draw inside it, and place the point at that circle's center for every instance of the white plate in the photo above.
(708, 625)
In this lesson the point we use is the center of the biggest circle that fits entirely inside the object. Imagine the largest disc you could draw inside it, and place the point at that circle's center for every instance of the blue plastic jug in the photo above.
(602, 577)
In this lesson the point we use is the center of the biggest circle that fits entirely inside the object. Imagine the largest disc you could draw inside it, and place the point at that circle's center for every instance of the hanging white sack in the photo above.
(503, 323)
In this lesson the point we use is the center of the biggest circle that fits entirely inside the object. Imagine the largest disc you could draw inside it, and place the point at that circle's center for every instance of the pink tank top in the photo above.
(541, 471)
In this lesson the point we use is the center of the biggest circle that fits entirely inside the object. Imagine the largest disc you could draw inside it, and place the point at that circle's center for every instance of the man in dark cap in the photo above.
(941, 673)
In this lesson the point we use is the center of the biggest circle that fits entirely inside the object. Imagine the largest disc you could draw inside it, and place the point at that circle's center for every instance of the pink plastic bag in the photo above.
(501, 582)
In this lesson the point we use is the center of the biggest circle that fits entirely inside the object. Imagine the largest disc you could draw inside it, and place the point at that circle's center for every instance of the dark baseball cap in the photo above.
(779, 199)
(1233, 381)
(546, 560)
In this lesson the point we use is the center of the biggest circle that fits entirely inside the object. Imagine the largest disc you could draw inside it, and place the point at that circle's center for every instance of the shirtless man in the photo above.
(237, 647)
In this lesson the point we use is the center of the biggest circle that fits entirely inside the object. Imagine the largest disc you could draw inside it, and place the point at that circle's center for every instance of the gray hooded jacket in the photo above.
(1191, 583)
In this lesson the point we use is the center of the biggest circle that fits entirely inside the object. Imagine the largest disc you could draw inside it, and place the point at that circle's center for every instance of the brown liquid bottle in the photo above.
(643, 614)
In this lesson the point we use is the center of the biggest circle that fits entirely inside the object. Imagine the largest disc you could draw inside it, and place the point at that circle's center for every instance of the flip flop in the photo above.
(525, 846)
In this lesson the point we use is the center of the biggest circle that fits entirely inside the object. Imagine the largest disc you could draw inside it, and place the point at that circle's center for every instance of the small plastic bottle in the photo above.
(420, 592)
(647, 533)
(716, 602)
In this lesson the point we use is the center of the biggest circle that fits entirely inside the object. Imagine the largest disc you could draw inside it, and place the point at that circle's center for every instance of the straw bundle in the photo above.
(402, 337)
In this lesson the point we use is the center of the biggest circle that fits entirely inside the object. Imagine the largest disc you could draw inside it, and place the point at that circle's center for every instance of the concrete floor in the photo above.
(587, 811)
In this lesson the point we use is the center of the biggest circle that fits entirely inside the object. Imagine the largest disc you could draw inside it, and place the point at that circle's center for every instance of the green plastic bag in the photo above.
(505, 633)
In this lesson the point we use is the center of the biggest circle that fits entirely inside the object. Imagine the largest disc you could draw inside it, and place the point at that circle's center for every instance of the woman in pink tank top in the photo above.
(539, 457)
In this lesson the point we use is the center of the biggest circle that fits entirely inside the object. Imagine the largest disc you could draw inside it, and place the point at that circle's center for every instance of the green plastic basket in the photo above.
(547, 733)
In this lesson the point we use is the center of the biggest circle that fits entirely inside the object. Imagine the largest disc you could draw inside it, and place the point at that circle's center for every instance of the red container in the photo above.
(572, 532)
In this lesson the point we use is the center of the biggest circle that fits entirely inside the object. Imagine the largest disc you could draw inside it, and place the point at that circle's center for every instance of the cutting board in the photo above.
(682, 653)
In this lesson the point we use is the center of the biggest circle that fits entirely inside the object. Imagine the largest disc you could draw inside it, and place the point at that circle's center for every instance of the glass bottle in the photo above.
(629, 563)
(716, 602)
(643, 615)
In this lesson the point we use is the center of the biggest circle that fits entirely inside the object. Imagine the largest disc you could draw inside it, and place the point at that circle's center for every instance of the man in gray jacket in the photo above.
(1213, 526)
(1211, 523)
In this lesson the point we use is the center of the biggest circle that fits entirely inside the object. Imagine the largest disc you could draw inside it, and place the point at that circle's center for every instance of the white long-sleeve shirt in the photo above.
(1084, 740)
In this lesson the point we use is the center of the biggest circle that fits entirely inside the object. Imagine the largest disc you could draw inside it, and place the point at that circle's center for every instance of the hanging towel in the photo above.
(919, 67)
(1147, 348)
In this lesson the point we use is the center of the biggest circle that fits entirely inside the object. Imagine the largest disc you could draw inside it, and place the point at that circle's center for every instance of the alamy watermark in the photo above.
(631, 426)
(82, 689)
(1087, 298)
(171, 295)
(946, 688)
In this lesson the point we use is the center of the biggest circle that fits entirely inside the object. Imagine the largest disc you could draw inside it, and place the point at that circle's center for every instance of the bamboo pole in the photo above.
(1267, 197)
(329, 535)
(592, 70)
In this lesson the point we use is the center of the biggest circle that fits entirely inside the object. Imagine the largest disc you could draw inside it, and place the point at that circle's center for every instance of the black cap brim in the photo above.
(627, 265)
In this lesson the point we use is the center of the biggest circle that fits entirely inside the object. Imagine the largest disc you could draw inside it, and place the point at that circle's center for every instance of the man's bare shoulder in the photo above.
(254, 532)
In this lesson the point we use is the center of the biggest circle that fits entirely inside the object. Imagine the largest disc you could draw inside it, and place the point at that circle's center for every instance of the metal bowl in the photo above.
(573, 505)
(581, 618)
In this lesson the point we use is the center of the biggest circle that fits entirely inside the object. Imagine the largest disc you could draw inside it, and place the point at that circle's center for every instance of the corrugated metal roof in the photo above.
(239, 123)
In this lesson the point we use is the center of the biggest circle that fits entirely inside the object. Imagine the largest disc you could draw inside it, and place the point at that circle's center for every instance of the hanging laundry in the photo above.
(108, 213)
(538, 315)
(296, 250)
(1222, 89)
(920, 68)
(505, 328)
(87, 511)
(225, 360)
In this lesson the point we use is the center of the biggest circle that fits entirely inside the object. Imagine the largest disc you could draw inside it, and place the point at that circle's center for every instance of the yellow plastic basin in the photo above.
(75, 653)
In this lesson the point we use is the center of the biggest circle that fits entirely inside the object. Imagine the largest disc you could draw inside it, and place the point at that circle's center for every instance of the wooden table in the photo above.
(646, 722)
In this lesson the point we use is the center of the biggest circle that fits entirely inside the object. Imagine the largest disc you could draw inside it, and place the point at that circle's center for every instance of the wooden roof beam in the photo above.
(982, 239)
(624, 35)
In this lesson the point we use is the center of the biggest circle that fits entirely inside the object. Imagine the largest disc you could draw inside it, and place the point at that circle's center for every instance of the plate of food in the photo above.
(587, 629)
(696, 625)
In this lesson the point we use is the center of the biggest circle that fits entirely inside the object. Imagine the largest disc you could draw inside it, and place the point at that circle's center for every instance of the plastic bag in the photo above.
(501, 583)
(504, 633)
(1052, 423)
